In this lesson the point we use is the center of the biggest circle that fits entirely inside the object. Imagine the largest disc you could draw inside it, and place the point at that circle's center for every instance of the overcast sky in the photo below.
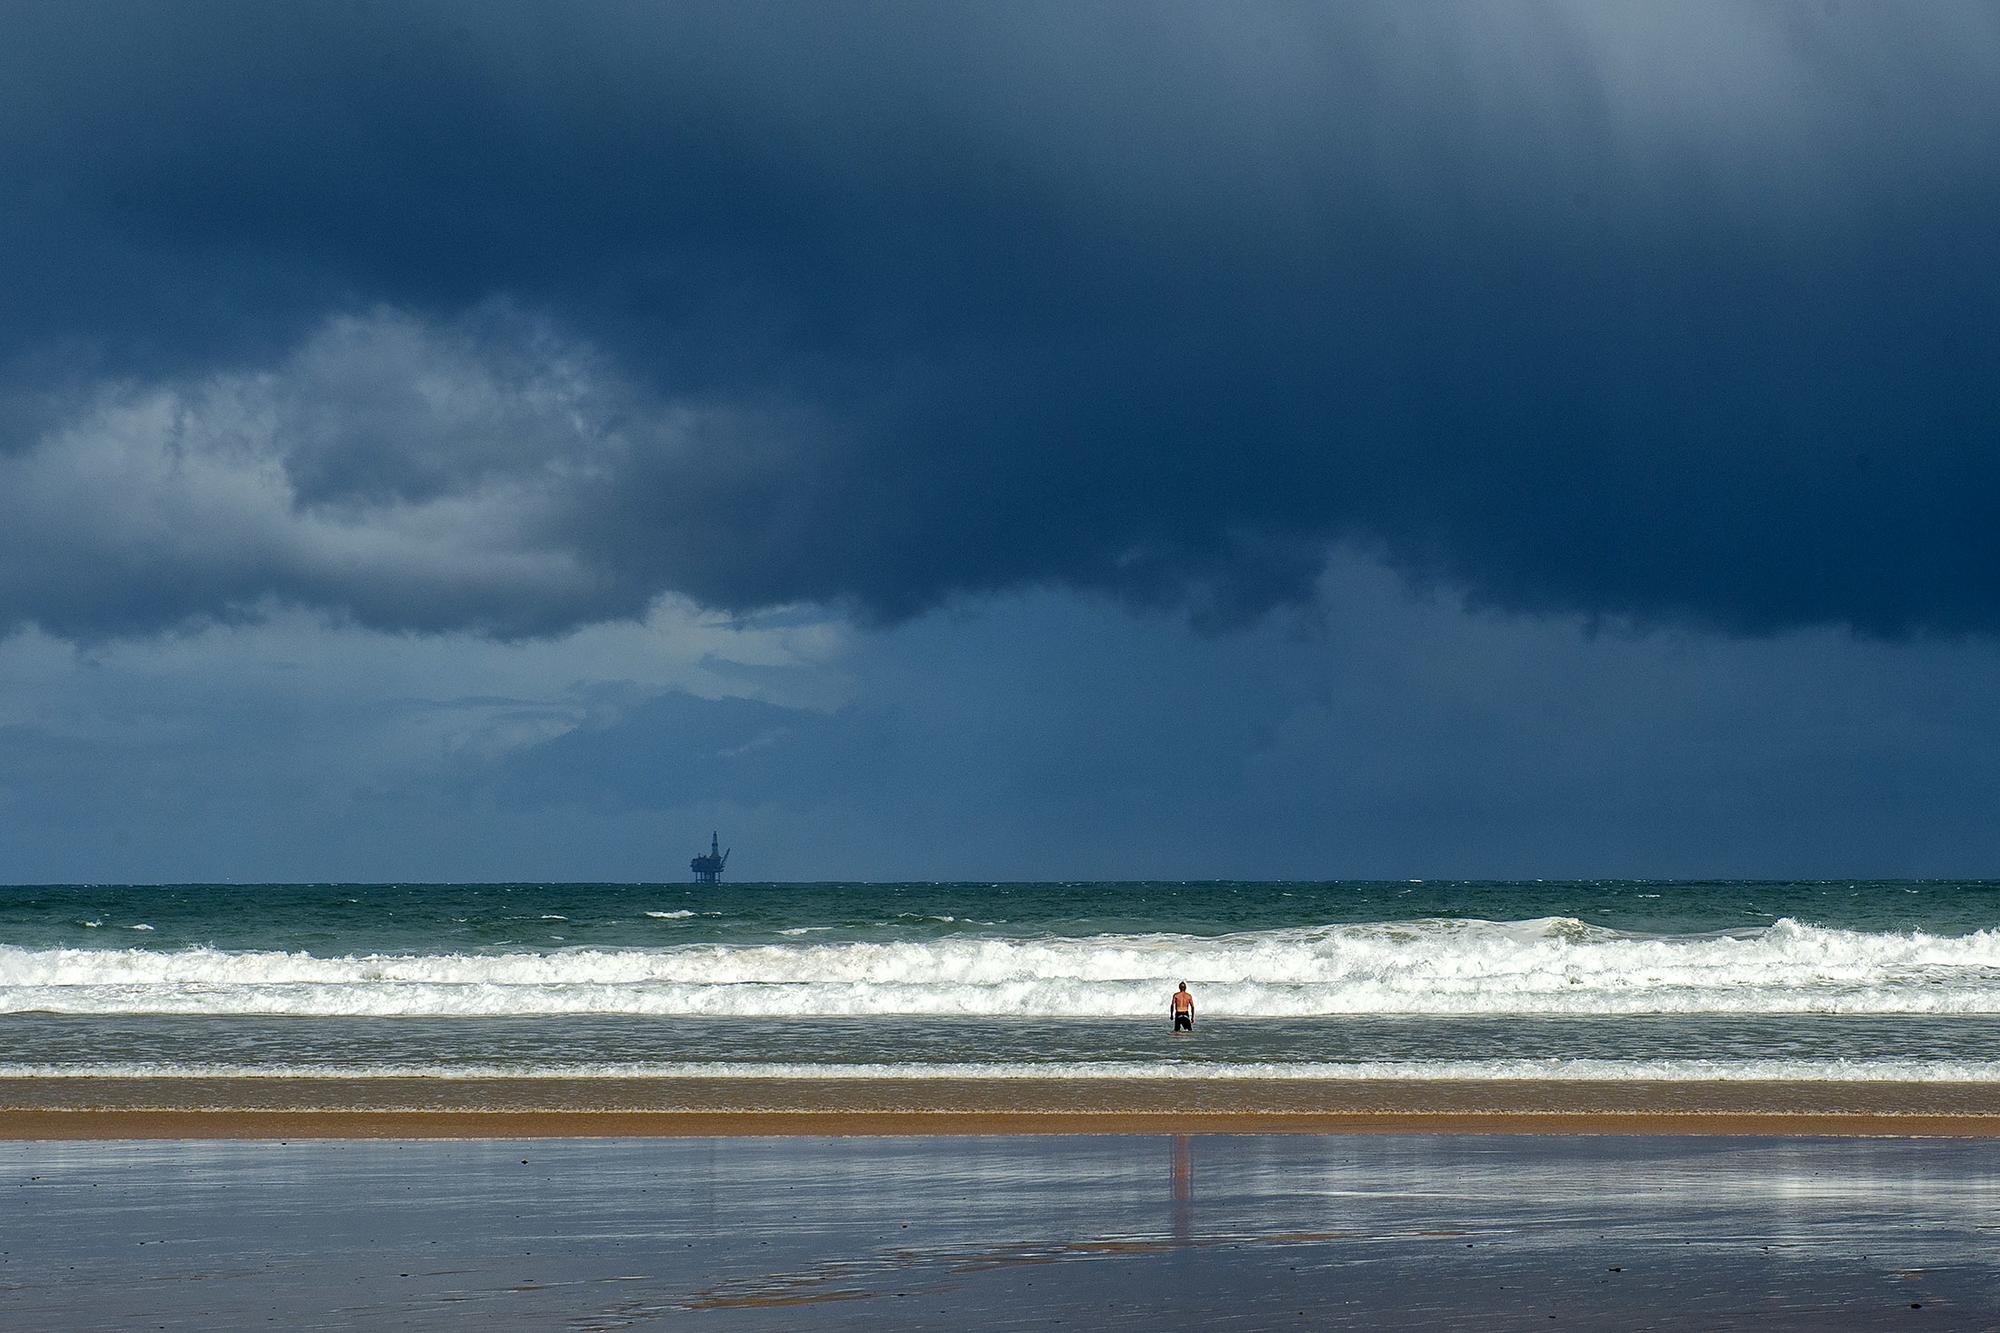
(493, 440)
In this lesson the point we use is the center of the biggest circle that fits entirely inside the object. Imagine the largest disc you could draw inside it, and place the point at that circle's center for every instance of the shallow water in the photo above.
(1642, 1046)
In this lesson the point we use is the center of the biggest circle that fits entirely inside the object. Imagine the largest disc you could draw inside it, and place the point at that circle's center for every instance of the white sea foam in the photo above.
(1549, 966)
(1505, 1070)
(678, 914)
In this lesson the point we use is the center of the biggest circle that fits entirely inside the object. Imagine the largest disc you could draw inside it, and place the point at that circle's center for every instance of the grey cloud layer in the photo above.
(1675, 312)
(397, 476)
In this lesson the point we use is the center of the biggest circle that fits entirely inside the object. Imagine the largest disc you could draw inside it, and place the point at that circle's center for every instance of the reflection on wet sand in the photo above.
(1183, 1227)
(818, 1283)
(813, 1233)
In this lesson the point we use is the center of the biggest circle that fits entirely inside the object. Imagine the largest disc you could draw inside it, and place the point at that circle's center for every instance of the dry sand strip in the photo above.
(289, 1126)
(435, 1107)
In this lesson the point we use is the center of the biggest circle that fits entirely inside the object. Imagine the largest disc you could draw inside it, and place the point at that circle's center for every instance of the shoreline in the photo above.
(88, 1107)
(294, 1126)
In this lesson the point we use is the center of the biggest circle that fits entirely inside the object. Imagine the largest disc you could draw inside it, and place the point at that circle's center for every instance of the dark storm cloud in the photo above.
(1671, 312)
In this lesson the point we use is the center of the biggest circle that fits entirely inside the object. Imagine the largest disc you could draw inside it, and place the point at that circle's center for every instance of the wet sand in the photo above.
(1459, 1232)
(439, 1108)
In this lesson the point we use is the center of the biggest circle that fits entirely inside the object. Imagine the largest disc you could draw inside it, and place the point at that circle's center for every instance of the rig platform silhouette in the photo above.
(708, 868)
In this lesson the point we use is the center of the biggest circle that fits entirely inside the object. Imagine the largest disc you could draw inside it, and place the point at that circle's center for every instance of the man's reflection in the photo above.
(1183, 1192)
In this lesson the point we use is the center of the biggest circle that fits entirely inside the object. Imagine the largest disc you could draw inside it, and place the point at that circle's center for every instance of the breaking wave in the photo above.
(1550, 966)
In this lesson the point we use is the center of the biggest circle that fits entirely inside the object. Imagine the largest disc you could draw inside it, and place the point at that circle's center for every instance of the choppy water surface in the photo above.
(1816, 980)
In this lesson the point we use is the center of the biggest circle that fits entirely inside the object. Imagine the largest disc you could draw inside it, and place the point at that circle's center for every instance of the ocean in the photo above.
(1420, 979)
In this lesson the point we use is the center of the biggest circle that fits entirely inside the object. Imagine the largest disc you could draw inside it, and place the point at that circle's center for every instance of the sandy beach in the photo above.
(1432, 1231)
(433, 1108)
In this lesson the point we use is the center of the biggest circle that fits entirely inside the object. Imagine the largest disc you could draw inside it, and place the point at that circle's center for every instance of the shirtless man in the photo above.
(1182, 1008)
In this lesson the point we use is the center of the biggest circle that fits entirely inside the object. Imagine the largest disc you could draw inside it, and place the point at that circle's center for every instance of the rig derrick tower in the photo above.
(708, 868)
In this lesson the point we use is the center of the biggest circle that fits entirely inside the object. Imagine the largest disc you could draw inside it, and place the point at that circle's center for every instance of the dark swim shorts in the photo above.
(1183, 1022)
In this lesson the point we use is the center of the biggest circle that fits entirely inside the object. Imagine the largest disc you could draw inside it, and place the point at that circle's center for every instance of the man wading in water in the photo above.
(1182, 1008)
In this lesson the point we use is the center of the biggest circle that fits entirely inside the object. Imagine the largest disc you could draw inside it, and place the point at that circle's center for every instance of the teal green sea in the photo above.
(1311, 980)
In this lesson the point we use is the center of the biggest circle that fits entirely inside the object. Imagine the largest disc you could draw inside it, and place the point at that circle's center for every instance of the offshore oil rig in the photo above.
(708, 869)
